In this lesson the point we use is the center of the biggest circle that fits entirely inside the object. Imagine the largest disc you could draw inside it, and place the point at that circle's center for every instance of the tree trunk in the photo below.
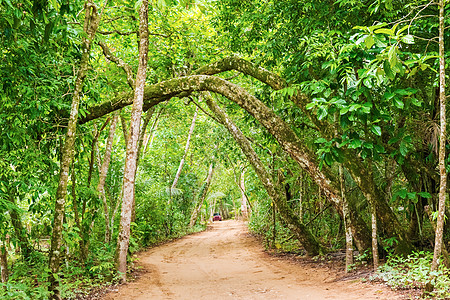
(244, 210)
(142, 132)
(94, 150)
(123, 122)
(442, 142)
(147, 119)
(202, 196)
(446, 257)
(103, 172)
(374, 239)
(347, 221)
(132, 151)
(90, 27)
(300, 231)
(149, 136)
(4, 262)
(19, 230)
(186, 148)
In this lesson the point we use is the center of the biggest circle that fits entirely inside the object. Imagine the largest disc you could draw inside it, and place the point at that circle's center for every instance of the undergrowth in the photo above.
(413, 272)
(28, 279)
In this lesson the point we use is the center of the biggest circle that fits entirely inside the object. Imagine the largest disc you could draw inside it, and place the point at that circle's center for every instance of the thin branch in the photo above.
(120, 63)
(203, 110)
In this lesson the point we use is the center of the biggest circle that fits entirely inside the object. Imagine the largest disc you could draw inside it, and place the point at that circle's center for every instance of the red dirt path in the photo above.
(227, 263)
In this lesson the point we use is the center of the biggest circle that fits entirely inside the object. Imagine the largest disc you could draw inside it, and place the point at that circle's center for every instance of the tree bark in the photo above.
(123, 122)
(91, 22)
(202, 196)
(226, 64)
(308, 241)
(442, 142)
(374, 239)
(103, 172)
(186, 148)
(347, 221)
(132, 151)
(94, 148)
(244, 210)
(149, 136)
(4, 262)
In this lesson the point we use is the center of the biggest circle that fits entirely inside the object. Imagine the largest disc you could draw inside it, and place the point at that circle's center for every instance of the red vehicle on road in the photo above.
(217, 217)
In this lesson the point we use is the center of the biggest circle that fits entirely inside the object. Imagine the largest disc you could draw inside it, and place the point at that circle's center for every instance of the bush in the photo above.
(413, 272)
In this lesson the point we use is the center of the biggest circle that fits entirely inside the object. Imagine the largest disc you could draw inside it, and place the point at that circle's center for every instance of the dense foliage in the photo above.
(347, 130)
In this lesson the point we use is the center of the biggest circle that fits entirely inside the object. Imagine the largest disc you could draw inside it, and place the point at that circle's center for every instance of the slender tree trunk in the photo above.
(152, 130)
(202, 196)
(4, 262)
(19, 230)
(374, 239)
(142, 131)
(74, 197)
(92, 160)
(113, 215)
(300, 198)
(90, 27)
(446, 257)
(442, 142)
(244, 210)
(347, 220)
(103, 172)
(132, 145)
(123, 122)
(186, 148)
(300, 231)
(94, 150)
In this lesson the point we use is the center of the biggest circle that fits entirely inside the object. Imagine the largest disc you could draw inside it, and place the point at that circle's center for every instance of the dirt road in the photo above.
(227, 263)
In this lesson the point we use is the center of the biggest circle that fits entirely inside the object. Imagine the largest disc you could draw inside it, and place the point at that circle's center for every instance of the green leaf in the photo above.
(424, 195)
(321, 113)
(412, 195)
(408, 39)
(328, 159)
(403, 148)
(54, 4)
(320, 141)
(385, 31)
(402, 29)
(368, 145)
(376, 130)
(369, 42)
(402, 193)
(344, 110)
(355, 144)
(392, 56)
(398, 103)
(416, 102)
(310, 105)
(388, 70)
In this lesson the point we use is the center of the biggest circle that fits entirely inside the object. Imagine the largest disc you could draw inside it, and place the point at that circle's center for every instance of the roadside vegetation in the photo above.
(127, 124)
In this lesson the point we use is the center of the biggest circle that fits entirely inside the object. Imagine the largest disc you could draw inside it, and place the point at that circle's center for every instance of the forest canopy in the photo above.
(124, 124)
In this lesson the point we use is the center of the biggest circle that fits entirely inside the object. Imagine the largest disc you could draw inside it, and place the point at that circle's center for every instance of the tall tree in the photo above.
(91, 22)
(103, 172)
(132, 145)
(202, 195)
(186, 148)
(442, 143)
